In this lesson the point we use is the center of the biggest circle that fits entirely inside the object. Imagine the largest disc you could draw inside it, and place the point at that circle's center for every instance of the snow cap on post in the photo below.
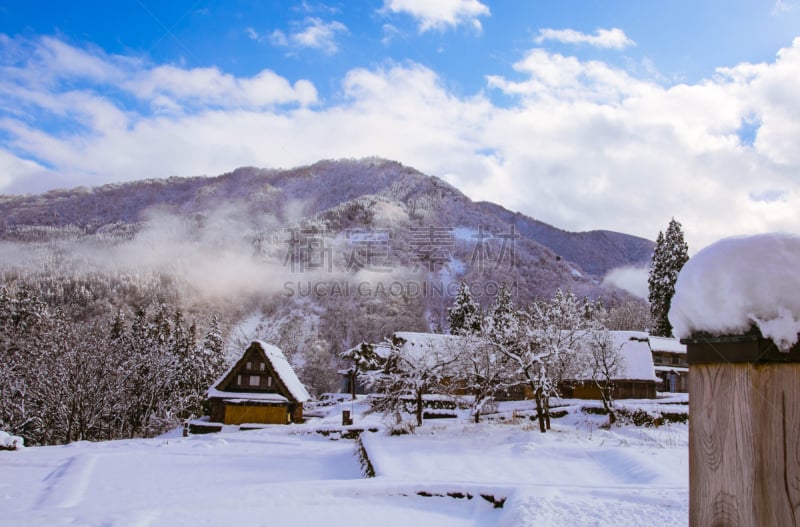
(740, 283)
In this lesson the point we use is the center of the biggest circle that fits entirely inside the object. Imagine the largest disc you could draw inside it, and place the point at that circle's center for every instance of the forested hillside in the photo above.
(156, 283)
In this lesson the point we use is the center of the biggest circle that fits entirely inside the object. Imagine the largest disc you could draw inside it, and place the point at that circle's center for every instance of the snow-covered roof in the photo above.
(420, 345)
(285, 371)
(381, 350)
(282, 369)
(666, 345)
(634, 347)
(636, 355)
(737, 283)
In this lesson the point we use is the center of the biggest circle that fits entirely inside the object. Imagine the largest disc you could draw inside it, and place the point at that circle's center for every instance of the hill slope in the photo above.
(314, 259)
(344, 194)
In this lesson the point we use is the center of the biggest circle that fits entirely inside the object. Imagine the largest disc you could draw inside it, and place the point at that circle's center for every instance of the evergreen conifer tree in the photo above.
(465, 314)
(669, 256)
(503, 323)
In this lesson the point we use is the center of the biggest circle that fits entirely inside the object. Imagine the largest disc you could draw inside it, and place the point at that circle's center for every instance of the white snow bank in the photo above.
(736, 283)
(9, 442)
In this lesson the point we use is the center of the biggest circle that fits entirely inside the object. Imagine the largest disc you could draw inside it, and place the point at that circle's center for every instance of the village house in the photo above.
(261, 387)
(672, 367)
(636, 378)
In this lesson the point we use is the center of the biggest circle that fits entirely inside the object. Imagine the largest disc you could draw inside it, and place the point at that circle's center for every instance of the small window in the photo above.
(239, 380)
(269, 382)
(248, 365)
(676, 359)
(255, 380)
(262, 366)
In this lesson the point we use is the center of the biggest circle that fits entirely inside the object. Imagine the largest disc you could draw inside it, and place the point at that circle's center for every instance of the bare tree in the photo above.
(606, 364)
(410, 373)
(540, 343)
(483, 371)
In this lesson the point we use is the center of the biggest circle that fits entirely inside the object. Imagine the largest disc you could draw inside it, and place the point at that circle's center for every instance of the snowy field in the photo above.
(575, 475)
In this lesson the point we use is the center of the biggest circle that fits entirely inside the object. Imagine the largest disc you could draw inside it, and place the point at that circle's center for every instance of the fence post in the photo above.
(744, 432)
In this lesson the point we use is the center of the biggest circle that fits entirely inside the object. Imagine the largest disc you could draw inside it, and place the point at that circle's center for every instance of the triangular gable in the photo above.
(271, 367)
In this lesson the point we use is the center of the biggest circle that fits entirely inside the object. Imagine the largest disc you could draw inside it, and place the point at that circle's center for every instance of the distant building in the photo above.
(636, 379)
(669, 357)
(260, 388)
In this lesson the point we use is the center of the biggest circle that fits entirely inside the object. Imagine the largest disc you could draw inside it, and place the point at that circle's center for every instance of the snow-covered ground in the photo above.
(576, 474)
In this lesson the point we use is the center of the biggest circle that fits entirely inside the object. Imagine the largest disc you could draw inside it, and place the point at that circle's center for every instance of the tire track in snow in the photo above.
(66, 485)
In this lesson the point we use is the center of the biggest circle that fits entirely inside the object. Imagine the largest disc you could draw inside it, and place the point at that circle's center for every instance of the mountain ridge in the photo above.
(289, 194)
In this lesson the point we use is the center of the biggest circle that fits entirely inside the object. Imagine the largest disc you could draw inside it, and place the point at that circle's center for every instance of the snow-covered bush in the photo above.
(9, 442)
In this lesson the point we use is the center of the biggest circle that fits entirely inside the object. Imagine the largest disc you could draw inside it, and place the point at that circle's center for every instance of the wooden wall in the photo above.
(622, 390)
(744, 444)
(236, 414)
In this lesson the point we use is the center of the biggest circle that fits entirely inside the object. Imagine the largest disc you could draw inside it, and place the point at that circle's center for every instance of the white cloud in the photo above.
(209, 86)
(317, 8)
(613, 38)
(320, 35)
(390, 32)
(781, 6)
(313, 33)
(631, 279)
(584, 146)
(441, 14)
(279, 38)
(13, 167)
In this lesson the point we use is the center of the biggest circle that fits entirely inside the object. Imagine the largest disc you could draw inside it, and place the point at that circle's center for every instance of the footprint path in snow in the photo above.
(66, 485)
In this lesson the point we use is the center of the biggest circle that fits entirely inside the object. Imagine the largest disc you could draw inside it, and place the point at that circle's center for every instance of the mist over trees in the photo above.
(130, 296)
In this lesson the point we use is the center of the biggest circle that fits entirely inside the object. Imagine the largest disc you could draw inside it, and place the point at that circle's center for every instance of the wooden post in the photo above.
(346, 420)
(744, 432)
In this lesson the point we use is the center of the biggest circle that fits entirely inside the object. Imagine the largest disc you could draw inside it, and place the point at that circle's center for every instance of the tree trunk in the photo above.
(608, 402)
(540, 411)
(612, 417)
(547, 412)
(353, 384)
(419, 408)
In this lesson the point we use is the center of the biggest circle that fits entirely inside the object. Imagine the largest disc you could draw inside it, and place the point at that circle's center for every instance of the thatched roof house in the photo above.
(636, 378)
(261, 387)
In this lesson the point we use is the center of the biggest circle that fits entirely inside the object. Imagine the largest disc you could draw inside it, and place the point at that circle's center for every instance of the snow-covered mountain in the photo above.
(343, 194)
(314, 259)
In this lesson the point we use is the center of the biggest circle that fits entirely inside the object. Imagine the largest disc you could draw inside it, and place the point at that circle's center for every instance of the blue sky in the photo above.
(684, 40)
(616, 114)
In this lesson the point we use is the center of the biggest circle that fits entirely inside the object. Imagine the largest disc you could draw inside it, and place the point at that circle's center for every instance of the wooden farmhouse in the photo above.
(669, 357)
(425, 349)
(636, 378)
(261, 387)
